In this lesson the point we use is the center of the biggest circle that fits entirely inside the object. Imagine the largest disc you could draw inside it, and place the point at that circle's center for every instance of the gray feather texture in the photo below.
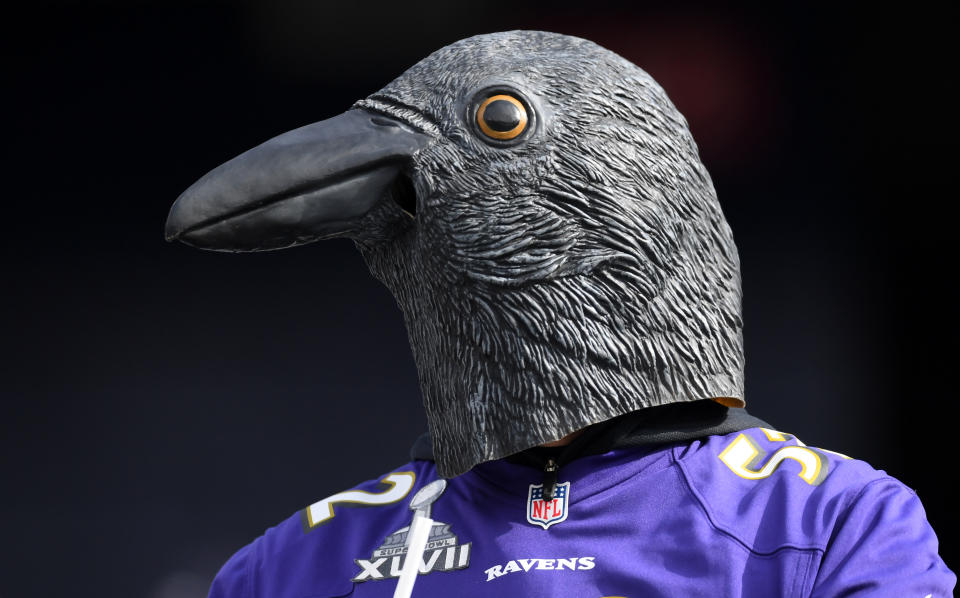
(584, 273)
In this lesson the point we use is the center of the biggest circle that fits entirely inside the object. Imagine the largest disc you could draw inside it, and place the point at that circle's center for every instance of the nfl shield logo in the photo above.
(546, 513)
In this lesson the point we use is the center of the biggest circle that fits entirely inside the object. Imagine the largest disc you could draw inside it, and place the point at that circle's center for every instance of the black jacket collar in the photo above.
(664, 424)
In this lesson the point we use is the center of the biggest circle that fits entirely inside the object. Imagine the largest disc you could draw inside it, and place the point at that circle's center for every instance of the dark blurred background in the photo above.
(162, 406)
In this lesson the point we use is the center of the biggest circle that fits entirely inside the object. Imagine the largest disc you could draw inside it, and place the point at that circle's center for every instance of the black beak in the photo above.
(312, 183)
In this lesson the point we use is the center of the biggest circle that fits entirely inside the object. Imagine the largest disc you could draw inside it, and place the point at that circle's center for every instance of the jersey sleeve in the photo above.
(883, 546)
(232, 581)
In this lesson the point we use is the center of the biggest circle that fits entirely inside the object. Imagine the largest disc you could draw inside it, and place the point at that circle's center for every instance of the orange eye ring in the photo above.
(512, 133)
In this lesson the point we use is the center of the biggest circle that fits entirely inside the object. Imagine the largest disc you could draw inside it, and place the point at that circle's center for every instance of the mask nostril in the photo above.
(383, 122)
(404, 194)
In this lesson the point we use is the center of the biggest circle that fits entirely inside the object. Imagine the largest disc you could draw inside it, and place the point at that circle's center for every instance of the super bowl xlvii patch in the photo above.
(443, 552)
(546, 513)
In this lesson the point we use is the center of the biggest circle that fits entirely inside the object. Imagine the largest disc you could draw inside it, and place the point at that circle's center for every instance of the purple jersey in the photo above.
(752, 513)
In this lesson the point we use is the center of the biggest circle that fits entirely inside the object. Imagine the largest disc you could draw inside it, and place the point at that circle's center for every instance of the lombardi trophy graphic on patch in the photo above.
(442, 551)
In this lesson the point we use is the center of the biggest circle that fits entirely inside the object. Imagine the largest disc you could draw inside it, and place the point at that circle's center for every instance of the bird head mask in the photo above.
(538, 209)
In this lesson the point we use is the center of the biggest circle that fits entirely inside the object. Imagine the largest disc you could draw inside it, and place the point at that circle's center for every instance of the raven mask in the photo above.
(538, 209)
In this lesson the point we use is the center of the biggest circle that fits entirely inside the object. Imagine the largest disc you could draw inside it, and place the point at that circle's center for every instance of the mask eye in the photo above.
(502, 117)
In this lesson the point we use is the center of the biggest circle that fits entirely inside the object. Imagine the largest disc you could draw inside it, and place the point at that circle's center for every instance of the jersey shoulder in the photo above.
(770, 491)
(312, 552)
(863, 528)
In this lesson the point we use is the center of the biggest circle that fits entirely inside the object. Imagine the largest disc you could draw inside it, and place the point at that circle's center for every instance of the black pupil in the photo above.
(502, 116)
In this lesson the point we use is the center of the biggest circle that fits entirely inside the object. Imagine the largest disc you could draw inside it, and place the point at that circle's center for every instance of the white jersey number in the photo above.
(400, 484)
(744, 457)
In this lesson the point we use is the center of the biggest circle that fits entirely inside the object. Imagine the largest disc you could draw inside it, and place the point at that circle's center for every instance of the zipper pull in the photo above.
(549, 479)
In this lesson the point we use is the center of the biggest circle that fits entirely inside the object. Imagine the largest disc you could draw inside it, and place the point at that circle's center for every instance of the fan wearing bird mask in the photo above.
(571, 289)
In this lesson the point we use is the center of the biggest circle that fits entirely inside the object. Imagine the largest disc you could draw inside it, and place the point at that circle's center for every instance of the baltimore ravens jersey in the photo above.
(752, 513)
